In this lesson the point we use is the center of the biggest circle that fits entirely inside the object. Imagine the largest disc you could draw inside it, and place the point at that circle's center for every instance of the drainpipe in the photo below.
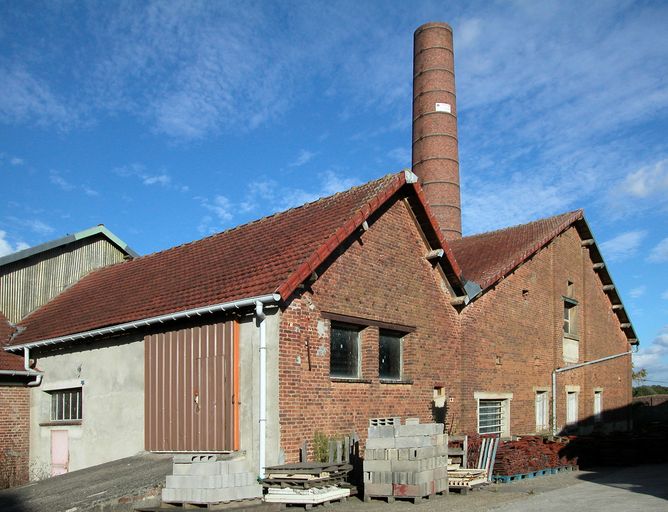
(573, 367)
(26, 365)
(261, 318)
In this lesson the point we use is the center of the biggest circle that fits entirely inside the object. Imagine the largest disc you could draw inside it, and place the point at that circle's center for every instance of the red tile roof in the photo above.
(271, 255)
(8, 361)
(488, 257)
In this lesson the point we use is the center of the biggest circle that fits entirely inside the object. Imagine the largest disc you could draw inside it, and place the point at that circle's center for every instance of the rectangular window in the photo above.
(389, 355)
(66, 405)
(542, 411)
(490, 416)
(598, 406)
(344, 354)
(572, 408)
(570, 318)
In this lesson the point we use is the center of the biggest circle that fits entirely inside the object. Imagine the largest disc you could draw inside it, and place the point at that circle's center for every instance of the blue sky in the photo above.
(170, 121)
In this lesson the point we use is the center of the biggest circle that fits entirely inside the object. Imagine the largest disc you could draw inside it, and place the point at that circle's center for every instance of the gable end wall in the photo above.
(383, 276)
(512, 340)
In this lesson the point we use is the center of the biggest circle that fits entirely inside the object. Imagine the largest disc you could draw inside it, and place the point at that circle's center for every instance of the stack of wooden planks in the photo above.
(307, 483)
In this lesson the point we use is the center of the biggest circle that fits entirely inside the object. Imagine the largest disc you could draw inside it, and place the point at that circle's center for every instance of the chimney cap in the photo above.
(433, 24)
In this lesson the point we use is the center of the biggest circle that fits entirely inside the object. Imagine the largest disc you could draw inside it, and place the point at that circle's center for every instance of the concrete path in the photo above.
(639, 488)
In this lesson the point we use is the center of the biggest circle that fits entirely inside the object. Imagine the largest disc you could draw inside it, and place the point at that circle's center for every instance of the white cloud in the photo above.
(221, 212)
(89, 191)
(57, 179)
(16, 161)
(653, 357)
(664, 295)
(659, 253)
(623, 246)
(7, 247)
(304, 157)
(638, 291)
(647, 181)
(26, 98)
(139, 171)
(160, 179)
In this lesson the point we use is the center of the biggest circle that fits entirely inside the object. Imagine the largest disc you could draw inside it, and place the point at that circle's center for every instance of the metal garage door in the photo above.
(190, 389)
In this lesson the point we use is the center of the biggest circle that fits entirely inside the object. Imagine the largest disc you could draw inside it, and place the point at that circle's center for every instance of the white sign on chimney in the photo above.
(444, 107)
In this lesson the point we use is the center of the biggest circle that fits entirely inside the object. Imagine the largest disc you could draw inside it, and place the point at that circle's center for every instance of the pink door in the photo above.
(60, 452)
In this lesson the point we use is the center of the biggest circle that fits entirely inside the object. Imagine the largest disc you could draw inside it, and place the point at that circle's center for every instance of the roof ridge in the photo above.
(256, 221)
(579, 211)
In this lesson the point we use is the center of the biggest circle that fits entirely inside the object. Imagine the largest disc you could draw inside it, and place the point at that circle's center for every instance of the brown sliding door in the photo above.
(190, 389)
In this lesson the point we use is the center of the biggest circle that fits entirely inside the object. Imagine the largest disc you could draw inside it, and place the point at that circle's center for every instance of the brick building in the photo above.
(367, 303)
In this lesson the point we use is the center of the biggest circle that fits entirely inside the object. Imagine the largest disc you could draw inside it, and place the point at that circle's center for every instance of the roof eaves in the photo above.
(146, 322)
(606, 279)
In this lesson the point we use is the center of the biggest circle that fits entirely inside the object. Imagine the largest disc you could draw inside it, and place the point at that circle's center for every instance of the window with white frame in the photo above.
(66, 405)
(493, 412)
(598, 406)
(389, 355)
(571, 408)
(490, 416)
(344, 361)
(542, 411)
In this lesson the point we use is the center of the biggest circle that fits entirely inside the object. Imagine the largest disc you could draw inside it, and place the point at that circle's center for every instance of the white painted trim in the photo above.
(119, 328)
(63, 384)
(572, 389)
(487, 395)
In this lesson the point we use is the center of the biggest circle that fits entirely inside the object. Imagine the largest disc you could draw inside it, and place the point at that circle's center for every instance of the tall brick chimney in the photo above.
(435, 155)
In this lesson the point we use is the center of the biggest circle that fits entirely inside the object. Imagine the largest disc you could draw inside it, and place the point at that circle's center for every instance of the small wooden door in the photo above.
(60, 452)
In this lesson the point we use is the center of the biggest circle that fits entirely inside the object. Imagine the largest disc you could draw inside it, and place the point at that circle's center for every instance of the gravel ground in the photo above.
(483, 499)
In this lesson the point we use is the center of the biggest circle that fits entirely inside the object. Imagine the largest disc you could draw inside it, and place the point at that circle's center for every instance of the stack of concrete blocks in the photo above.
(207, 479)
(407, 460)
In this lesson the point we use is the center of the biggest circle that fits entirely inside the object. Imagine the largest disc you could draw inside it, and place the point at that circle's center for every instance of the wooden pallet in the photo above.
(414, 499)
(504, 479)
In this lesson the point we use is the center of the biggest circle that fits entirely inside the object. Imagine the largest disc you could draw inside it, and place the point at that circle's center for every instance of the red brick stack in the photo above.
(530, 453)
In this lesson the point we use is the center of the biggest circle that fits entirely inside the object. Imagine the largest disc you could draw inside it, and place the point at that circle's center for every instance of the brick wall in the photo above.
(512, 339)
(384, 276)
(14, 428)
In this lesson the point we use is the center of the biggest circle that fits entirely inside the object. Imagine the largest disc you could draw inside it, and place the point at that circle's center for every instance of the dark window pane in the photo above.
(344, 360)
(66, 405)
(389, 356)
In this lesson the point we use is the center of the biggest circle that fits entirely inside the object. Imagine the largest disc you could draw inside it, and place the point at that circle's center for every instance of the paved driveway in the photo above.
(639, 488)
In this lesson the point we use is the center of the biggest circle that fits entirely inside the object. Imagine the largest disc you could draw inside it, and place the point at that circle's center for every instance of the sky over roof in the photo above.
(173, 120)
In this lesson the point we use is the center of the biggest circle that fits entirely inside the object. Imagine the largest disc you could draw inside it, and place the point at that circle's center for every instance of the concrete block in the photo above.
(204, 468)
(412, 441)
(405, 465)
(440, 473)
(381, 442)
(377, 465)
(424, 429)
(422, 453)
(403, 453)
(373, 422)
(423, 477)
(378, 489)
(233, 466)
(391, 454)
(381, 431)
(401, 477)
(439, 439)
(181, 469)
